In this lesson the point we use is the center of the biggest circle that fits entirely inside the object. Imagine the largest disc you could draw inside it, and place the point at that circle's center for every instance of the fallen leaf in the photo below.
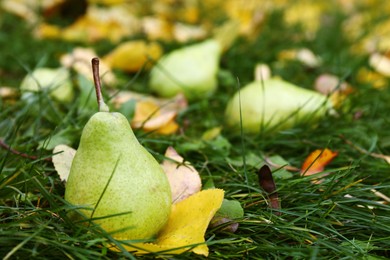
(8, 93)
(131, 56)
(153, 114)
(262, 72)
(157, 28)
(380, 63)
(211, 133)
(186, 226)
(304, 55)
(80, 60)
(331, 85)
(328, 83)
(110, 22)
(27, 8)
(371, 77)
(249, 14)
(317, 161)
(267, 183)
(185, 32)
(305, 13)
(62, 160)
(183, 178)
(229, 211)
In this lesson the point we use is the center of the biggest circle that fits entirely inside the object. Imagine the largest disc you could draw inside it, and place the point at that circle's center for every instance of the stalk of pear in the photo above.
(102, 107)
(116, 183)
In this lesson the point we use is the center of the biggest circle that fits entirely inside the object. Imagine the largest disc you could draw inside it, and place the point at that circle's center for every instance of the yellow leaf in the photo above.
(367, 76)
(182, 176)
(306, 13)
(131, 56)
(186, 225)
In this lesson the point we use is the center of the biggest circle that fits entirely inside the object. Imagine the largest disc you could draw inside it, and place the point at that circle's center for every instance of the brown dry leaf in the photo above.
(151, 113)
(267, 183)
(316, 161)
(131, 56)
(80, 60)
(182, 176)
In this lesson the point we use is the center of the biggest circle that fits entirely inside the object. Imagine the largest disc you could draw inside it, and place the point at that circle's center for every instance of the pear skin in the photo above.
(117, 182)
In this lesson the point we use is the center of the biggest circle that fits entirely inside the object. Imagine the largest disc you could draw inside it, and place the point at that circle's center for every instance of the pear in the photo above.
(190, 70)
(193, 70)
(56, 80)
(115, 181)
(274, 104)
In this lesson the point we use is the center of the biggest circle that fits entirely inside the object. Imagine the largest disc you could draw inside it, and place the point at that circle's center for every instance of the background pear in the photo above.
(114, 176)
(273, 105)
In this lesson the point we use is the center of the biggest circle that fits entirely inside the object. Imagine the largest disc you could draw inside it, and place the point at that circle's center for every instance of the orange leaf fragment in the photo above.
(317, 161)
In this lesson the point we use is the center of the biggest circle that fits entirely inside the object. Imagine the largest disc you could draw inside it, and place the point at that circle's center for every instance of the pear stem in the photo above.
(98, 89)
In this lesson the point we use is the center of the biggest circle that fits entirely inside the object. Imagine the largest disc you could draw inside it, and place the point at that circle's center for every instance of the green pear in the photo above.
(56, 80)
(274, 104)
(117, 183)
(190, 70)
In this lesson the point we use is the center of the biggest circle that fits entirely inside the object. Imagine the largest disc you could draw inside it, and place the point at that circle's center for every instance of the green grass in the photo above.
(317, 220)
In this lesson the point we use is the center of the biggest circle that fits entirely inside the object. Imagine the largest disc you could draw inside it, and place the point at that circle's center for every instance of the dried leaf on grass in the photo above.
(183, 178)
(304, 55)
(131, 56)
(380, 63)
(329, 84)
(186, 225)
(316, 161)
(62, 160)
(267, 183)
(27, 8)
(80, 60)
(230, 211)
(367, 76)
(151, 113)
(111, 22)
(8, 93)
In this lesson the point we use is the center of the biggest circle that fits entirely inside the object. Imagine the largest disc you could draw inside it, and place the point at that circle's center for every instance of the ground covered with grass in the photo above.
(345, 215)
